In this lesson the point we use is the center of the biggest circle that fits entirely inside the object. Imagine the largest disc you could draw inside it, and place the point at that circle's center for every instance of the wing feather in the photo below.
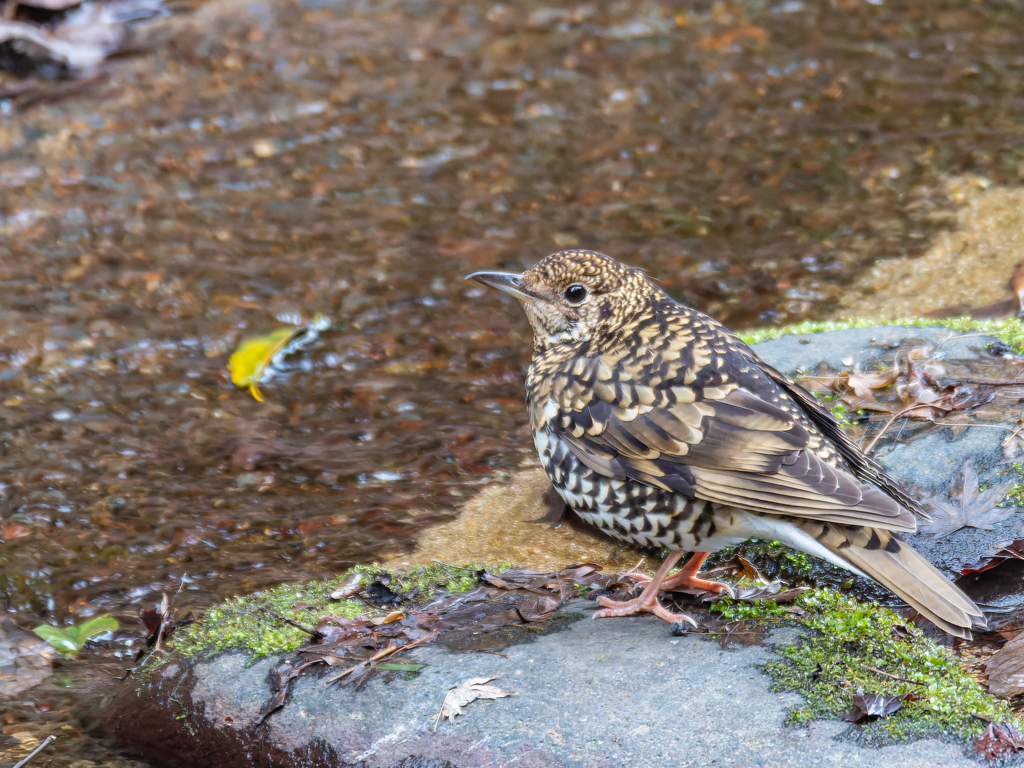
(737, 449)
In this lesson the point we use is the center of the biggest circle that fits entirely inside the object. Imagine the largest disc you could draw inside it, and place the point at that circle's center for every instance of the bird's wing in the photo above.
(719, 443)
(863, 466)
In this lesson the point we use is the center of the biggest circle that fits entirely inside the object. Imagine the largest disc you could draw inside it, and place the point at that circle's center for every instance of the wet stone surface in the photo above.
(619, 692)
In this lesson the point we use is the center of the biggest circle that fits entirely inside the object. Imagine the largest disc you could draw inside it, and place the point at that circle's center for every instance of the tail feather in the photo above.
(899, 568)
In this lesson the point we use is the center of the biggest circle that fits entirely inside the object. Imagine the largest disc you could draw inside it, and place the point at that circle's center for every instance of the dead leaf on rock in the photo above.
(999, 741)
(871, 706)
(1006, 669)
(741, 632)
(863, 382)
(772, 591)
(471, 690)
(537, 608)
(281, 677)
(969, 508)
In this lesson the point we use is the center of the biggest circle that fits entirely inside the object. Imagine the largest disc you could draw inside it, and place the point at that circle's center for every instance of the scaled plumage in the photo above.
(661, 427)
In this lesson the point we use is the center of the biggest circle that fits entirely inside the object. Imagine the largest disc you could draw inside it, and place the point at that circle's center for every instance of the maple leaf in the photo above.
(969, 508)
(471, 690)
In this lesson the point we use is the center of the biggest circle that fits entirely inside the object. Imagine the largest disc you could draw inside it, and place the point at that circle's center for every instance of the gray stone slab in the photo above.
(864, 345)
(618, 692)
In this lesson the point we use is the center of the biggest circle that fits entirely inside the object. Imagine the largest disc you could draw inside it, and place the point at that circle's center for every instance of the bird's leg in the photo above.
(687, 578)
(648, 600)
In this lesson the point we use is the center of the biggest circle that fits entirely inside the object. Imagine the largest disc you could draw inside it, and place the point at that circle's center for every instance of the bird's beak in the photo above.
(503, 281)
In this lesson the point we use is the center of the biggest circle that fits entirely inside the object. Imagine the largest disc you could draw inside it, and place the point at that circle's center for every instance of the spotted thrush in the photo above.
(660, 427)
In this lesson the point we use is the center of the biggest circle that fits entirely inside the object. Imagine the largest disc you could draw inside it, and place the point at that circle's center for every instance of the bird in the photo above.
(659, 426)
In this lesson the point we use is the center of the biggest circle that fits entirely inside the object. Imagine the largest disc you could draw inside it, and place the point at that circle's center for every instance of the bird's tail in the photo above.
(894, 564)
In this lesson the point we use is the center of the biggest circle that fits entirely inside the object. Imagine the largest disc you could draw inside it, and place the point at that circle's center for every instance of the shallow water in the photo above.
(263, 162)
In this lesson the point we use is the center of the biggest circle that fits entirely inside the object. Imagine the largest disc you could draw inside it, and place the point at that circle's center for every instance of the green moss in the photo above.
(249, 624)
(1008, 330)
(1015, 496)
(733, 610)
(847, 642)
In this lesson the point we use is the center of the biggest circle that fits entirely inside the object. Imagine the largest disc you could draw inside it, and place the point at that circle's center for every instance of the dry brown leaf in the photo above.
(863, 382)
(393, 616)
(1006, 669)
(471, 690)
(999, 741)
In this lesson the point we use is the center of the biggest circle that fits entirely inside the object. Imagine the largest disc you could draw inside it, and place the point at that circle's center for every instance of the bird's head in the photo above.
(575, 296)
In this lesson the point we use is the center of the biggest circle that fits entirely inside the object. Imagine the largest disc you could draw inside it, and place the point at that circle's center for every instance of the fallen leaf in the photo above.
(249, 363)
(281, 677)
(400, 667)
(999, 741)
(537, 608)
(863, 382)
(969, 508)
(772, 591)
(13, 530)
(1006, 669)
(871, 706)
(471, 690)
(393, 616)
(353, 586)
(741, 632)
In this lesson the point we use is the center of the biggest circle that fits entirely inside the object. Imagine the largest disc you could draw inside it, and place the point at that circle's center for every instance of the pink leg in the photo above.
(686, 578)
(648, 600)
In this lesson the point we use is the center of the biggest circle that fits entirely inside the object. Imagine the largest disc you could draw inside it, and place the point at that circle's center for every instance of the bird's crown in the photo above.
(576, 296)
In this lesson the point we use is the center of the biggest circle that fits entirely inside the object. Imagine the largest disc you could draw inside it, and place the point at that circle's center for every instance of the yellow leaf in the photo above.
(249, 361)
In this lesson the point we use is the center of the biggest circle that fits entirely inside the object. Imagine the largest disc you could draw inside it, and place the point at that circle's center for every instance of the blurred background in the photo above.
(178, 176)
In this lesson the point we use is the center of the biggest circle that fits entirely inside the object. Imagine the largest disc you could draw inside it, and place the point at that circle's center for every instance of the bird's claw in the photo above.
(611, 608)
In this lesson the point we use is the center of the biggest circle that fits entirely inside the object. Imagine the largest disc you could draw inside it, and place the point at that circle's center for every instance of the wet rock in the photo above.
(965, 272)
(601, 693)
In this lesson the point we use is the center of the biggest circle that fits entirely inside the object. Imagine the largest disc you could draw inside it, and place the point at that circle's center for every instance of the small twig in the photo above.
(184, 578)
(493, 653)
(378, 656)
(36, 751)
(993, 382)
(889, 423)
(165, 609)
(286, 620)
(953, 336)
(635, 567)
(901, 679)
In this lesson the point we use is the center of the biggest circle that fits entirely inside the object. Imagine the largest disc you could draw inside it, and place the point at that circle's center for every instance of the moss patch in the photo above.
(1008, 330)
(249, 624)
(777, 561)
(846, 645)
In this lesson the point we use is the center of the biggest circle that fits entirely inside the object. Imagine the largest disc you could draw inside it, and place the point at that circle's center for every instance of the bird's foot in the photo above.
(683, 581)
(687, 579)
(646, 603)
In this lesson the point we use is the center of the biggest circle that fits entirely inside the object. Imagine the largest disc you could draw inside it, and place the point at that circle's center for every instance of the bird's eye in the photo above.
(575, 294)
